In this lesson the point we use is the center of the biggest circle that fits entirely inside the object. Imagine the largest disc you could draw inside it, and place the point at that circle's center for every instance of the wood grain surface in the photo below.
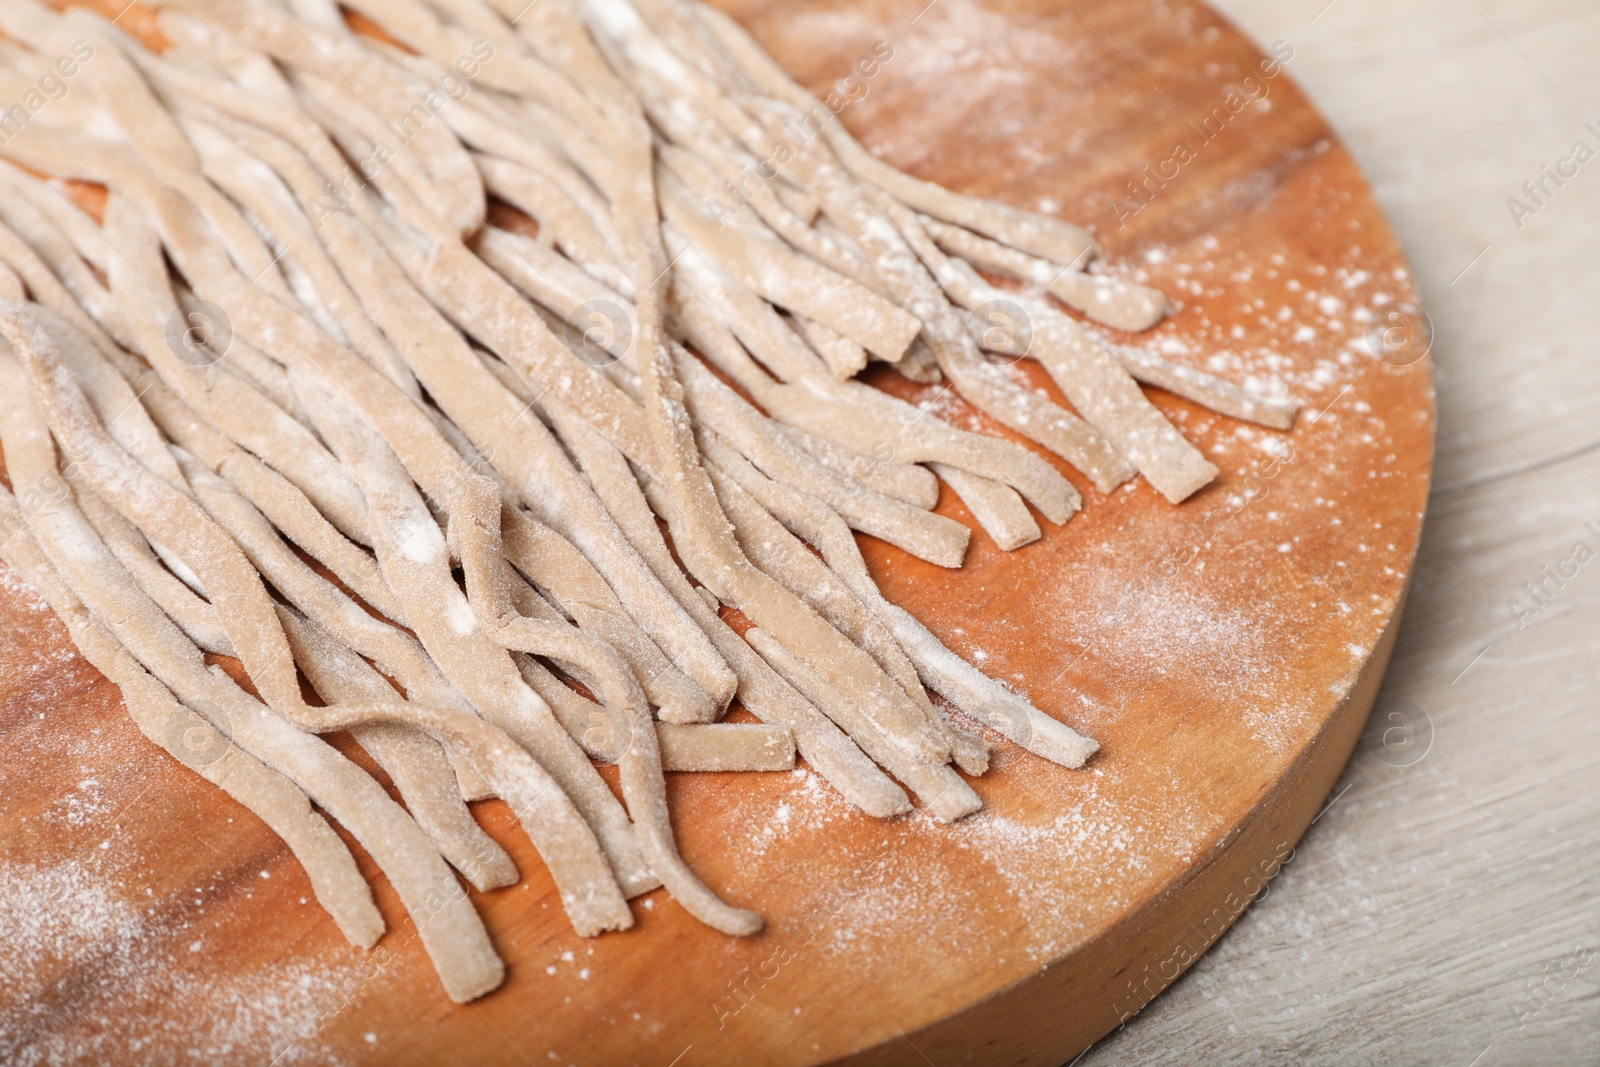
(1225, 653)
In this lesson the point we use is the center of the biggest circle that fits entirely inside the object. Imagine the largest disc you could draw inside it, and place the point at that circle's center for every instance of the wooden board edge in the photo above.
(1053, 1017)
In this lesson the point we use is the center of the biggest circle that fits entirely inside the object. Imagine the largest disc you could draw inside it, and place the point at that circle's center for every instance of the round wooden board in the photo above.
(1225, 653)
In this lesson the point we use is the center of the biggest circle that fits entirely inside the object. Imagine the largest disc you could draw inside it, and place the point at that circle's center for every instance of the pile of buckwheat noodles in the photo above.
(294, 380)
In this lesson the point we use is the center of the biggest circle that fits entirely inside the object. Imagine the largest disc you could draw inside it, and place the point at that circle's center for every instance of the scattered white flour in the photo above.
(82, 805)
(89, 975)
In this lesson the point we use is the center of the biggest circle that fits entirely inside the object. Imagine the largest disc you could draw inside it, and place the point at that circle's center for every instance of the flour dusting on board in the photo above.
(809, 807)
(29, 597)
(89, 975)
(1018, 850)
(1040, 862)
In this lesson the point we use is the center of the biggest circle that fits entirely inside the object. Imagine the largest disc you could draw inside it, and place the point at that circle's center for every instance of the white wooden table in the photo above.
(1445, 907)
